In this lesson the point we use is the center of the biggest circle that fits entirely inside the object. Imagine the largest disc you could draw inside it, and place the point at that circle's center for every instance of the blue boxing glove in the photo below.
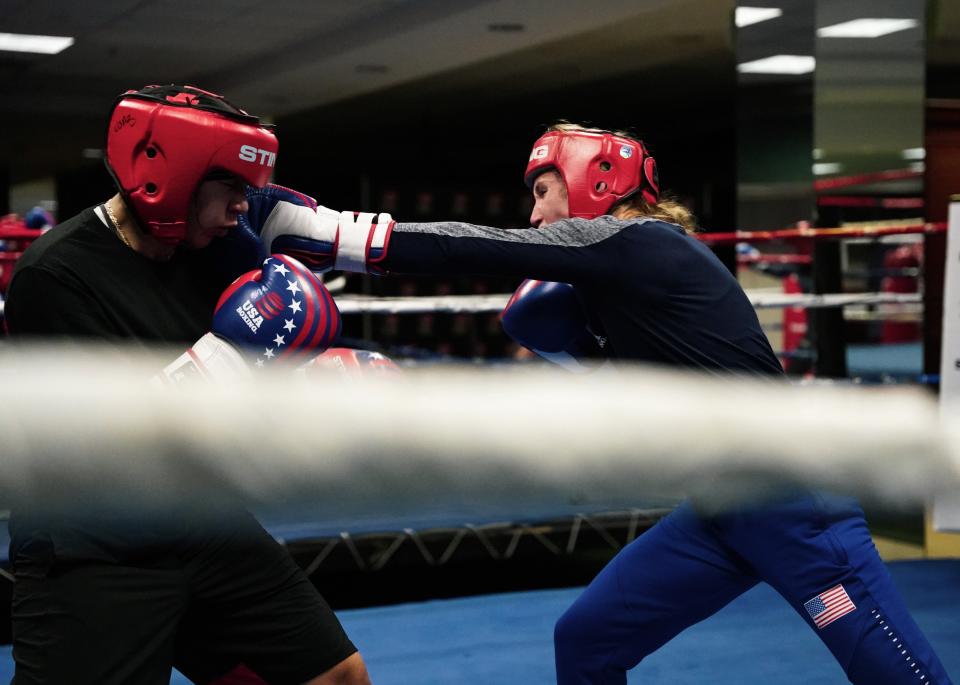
(39, 218)
(242, 249)
(547, 319)
(292, 223)
(280, 311)
(263, 201)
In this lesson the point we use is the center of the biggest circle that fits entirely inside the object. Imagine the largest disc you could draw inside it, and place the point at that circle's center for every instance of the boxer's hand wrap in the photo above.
(292, 223)
(547, 319)
(280, 311)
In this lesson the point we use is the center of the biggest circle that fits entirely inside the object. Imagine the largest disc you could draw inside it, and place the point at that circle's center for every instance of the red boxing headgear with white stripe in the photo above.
(162, 141)
(599, 169)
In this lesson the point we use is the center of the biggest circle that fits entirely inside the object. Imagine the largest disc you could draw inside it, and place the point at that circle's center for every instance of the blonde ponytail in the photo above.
(667, 209)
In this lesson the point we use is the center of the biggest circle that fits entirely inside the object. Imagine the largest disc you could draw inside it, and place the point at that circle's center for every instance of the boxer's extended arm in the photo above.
(570, 250)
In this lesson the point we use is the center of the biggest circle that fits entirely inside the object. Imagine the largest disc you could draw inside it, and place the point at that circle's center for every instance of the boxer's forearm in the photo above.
(569, 250)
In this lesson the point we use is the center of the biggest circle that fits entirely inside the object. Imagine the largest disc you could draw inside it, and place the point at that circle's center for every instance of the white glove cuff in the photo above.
(352, 241)
(210, 358)
(358, 235)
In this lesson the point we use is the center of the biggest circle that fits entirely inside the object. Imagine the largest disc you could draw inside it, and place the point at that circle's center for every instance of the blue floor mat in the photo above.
(507, 638)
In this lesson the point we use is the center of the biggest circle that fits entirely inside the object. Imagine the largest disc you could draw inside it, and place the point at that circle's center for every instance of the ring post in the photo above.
(946, 508)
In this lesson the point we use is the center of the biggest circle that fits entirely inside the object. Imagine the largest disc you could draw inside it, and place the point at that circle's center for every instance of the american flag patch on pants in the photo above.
(828, 606)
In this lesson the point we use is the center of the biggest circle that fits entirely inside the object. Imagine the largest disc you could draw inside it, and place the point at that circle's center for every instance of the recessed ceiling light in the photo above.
(779, 64)
(744, 16)
(913, 153)
(822, 168)
(866, 28)
(24, 42)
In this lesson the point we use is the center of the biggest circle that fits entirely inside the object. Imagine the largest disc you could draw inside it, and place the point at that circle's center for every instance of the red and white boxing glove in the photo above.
(547, 319)
(280, 311)
(291, 223)
(352, 363)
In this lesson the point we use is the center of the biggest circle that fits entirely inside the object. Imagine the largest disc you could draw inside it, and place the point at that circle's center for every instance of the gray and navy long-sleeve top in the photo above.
(653, 292)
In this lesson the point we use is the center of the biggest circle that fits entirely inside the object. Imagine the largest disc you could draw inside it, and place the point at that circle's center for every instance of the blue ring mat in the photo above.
(508, 638)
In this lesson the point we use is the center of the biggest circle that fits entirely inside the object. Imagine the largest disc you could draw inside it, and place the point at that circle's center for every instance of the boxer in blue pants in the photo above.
(621, 279)
(687, 567)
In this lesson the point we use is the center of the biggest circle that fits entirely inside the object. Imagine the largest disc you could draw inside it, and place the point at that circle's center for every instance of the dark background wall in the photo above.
(448, 143)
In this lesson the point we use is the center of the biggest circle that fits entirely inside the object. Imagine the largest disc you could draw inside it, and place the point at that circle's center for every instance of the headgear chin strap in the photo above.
(598, 168)
(162, 141)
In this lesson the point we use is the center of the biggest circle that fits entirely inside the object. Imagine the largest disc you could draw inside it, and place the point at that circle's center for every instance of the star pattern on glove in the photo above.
(294, 305)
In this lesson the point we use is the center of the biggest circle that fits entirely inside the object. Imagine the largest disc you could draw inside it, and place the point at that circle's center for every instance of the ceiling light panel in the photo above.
(866, 28)
(824, 168)
(745, 16)
(779, 64)
(25, 42)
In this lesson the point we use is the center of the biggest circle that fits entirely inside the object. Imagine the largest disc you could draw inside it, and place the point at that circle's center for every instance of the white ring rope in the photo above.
(88, 429)
(481, 304)
(478, 304)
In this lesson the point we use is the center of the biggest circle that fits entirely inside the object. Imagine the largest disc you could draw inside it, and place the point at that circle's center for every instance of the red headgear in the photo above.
(162, 141)
(598, 168)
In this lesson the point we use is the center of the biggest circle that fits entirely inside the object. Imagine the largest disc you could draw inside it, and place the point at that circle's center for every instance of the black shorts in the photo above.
(220, 596)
